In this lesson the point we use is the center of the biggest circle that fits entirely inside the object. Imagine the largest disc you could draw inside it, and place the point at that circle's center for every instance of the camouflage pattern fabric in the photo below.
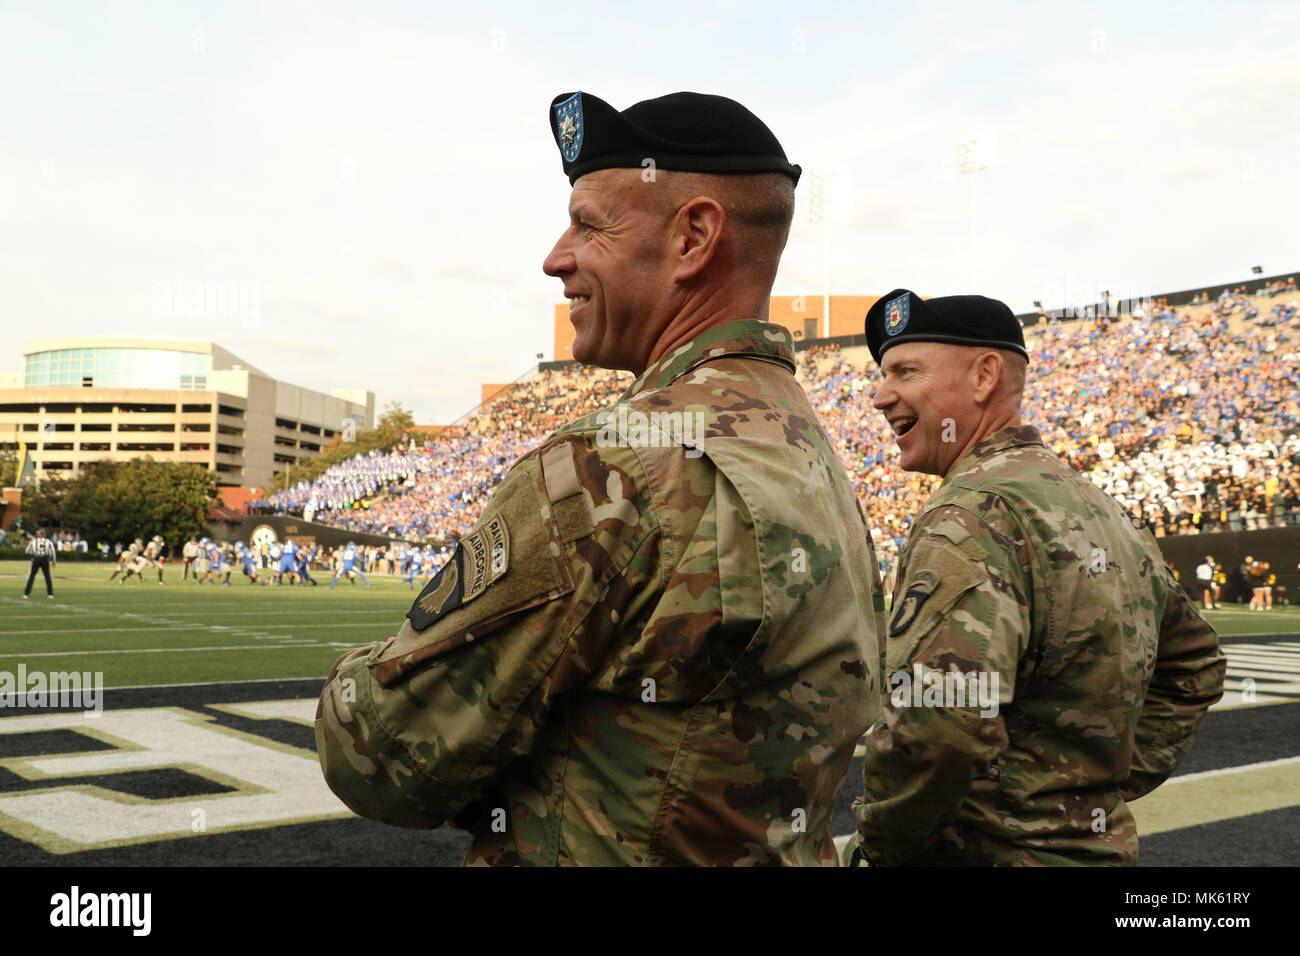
(1019, 567)
(658, 646)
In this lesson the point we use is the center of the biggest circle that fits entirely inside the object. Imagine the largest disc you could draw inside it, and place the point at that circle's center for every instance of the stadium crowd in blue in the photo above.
(1190, 418)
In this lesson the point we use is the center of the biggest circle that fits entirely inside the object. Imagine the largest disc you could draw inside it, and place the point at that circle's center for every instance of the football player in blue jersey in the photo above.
(413, 558)
(304, 558)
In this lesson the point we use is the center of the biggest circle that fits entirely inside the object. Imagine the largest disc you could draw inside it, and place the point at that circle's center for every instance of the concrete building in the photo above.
(90, 398)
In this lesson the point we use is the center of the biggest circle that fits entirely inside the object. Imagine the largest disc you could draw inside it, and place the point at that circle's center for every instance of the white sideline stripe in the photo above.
(214, 683)
(1276, 667)
(175, 650)
(1259, 655)
(1261, 686)
(1244, 768)
(1259, 675)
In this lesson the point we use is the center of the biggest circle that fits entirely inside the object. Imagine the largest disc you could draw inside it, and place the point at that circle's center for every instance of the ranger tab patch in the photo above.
(918, 592)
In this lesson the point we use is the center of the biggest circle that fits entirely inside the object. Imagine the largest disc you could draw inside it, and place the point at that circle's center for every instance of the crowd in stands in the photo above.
(344, 484)
(1193, 425)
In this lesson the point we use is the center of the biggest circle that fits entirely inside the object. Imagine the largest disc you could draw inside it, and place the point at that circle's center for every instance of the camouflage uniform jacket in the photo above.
(658, 645)
(1019, 568)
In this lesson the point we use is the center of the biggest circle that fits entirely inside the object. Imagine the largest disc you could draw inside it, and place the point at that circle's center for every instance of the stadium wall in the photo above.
(286, 526)
(1278, 546)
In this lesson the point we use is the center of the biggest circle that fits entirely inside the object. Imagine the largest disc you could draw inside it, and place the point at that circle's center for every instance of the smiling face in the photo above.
(614, 262)
(925, 395)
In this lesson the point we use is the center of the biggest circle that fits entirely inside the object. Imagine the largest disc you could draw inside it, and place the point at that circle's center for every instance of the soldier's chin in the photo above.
(911, 458)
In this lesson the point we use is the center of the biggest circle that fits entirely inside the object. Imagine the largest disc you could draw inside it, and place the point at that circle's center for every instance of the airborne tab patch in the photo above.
(918, 592)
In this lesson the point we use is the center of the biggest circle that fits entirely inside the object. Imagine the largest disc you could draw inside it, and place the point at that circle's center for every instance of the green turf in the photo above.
(140, 633)
(1239, 619)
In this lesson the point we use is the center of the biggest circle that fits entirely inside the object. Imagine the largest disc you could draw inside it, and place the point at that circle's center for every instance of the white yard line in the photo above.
(217, 628)
(1222, 771)
(179, 650)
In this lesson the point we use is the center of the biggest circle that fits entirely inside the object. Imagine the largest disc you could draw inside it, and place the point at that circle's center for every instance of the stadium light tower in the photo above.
(819, 211)
(972, 155)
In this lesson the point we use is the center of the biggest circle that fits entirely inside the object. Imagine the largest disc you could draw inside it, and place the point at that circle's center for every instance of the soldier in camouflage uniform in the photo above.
(659, 644)
(1024, 575)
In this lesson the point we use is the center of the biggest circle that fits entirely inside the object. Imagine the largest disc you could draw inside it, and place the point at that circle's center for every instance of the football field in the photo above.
(200, 749)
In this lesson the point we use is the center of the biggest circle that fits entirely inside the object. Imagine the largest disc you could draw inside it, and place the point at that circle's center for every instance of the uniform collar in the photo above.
(1015, 437)
(748, 338)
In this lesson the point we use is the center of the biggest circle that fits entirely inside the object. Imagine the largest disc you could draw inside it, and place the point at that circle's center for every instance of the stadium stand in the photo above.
(1190, 417)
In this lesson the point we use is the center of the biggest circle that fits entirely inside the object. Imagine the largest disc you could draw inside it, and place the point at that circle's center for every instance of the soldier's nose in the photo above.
(559, 260)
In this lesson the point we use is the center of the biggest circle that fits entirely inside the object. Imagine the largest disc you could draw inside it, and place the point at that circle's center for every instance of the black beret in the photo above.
(903, 316)
(690, 132)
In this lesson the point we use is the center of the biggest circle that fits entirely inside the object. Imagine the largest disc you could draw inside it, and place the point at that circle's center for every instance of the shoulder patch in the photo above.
(481, 558)
(918, 592)
(442, 594)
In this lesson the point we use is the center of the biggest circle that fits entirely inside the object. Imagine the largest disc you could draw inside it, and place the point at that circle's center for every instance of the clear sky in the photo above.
(366, 191)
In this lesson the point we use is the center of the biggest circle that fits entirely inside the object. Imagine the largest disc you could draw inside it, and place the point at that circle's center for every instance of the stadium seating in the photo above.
(1190, 418)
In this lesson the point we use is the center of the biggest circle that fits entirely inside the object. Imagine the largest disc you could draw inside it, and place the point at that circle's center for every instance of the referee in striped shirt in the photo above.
(41, 549)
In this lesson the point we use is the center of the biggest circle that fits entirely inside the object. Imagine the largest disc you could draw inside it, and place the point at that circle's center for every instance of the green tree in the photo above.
(8, 468)
(44, 505)
(124, 500)
(395, 420)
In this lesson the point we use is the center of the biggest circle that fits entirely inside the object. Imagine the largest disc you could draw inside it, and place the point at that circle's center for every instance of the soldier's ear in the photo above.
(697, 231)
(985, 374)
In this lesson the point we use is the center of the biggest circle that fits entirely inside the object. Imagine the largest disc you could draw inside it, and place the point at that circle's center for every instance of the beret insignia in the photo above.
(569, 126)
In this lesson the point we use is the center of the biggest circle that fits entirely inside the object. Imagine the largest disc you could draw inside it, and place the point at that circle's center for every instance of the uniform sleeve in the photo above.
(413, 729)
(1187, 680)
(960, 610)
